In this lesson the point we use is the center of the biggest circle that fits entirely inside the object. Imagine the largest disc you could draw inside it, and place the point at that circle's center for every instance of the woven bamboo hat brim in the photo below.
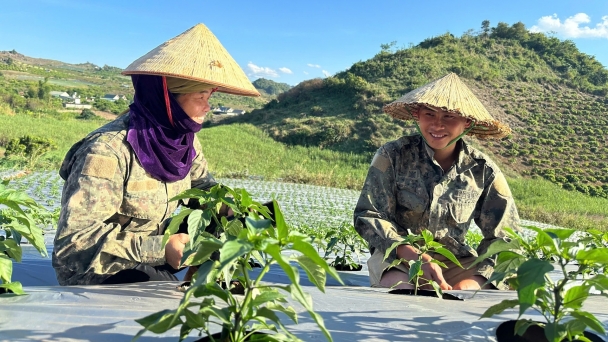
(195, 55)
(450, 94)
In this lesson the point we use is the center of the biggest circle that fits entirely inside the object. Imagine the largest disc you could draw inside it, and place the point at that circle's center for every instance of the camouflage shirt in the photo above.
(112, 211)
(406, 189)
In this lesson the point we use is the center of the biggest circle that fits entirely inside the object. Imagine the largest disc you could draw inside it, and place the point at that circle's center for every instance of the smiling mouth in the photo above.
(438, 136)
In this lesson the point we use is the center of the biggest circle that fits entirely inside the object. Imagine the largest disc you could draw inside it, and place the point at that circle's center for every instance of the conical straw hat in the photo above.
(195, 55)
(450, 94)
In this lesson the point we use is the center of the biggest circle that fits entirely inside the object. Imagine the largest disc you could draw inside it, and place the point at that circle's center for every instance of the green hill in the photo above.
(552, 95)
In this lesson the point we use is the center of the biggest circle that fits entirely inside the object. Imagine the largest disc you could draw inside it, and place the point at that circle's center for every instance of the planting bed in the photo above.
(354, 312)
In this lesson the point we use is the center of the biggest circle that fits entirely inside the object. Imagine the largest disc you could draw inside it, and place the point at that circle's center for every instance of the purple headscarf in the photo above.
(164, 150)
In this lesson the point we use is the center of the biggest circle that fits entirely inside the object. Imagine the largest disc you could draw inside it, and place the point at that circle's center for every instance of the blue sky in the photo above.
(286, 41)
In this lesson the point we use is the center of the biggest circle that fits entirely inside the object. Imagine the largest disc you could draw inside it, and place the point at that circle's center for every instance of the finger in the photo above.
(441, 281)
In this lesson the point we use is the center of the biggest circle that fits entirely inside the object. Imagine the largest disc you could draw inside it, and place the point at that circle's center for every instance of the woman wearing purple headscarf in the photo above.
(118, 179)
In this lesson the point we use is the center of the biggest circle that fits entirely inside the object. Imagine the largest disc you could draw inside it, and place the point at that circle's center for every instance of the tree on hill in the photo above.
(271, 87)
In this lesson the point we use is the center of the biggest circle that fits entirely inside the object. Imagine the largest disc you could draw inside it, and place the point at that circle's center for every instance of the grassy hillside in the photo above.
(244, 150)
(552, 95)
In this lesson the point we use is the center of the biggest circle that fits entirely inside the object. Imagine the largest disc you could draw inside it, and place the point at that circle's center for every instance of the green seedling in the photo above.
(16, 221)
(345, 244)
(240, 318)
(525, 266)
(424, 244)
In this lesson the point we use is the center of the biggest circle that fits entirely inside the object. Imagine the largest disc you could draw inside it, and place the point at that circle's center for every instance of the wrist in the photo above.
(407, 252)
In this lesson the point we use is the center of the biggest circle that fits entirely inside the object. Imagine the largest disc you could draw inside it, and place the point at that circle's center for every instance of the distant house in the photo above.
(222, 110)
(113, 97)
(61, 94)
(238, 112)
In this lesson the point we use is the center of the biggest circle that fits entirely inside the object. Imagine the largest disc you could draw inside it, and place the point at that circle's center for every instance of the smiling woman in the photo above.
(114, 207)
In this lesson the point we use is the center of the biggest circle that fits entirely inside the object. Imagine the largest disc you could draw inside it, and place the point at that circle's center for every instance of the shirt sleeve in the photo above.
(89, 244)
(375, 211)
(199, 173)
(497, 211)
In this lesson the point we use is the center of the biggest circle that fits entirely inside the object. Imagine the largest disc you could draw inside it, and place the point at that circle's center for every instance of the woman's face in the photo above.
(196, 105)
(440, 127)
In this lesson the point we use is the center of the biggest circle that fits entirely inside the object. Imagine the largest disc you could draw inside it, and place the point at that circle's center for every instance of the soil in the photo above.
(505, 333)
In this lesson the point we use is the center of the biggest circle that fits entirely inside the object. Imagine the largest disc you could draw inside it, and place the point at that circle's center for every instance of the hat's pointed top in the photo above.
(195, 55)
(450, 94)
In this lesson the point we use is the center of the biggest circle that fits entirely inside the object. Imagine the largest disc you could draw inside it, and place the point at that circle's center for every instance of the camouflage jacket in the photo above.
(112, 211)
(406, 189)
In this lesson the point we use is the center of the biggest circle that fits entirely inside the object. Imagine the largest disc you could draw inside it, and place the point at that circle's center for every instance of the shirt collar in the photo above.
(464, 161)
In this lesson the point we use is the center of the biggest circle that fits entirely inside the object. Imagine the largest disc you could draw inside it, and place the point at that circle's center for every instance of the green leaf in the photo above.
(234, 227)
(392, 247)
(415, 268)
(267, 313)
(14, 287)
(290, 271)
(593, 256)
(309, 251)
(161, 321)
(190, 193)
(194, 221)
(232, 250)
(428, 236)
(315, 273)
(11, 247)
(282, 228)
(173, 226)
(258, 224)
(531, 276)
(555, 331)
(500, 307)
(266, 295)
(321, 325)
(194, 320)
(589, 320)
(6, 268)
(497, 247)
(446, 253)
(204, 249)
(508, 262)
(289, 311)
(575, 296)
(600, 282)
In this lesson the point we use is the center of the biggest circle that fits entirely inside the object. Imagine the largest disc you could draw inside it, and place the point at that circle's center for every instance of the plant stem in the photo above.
(557, 291)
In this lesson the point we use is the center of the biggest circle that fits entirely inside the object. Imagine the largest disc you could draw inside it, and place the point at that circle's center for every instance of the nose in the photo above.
(437, 121)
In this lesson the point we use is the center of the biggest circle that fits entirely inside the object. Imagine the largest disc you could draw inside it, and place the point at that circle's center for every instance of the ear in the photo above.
(468, 123)
(416, 114)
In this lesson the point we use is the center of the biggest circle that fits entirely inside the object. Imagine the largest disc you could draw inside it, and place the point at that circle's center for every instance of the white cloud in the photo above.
(305, 72)
(326, 73)
(285, 70)
(313, 65)
(573, 27)
(257, 71)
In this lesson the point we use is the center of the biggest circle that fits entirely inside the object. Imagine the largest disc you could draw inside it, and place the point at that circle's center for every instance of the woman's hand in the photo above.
(174, 249)
(431, 270)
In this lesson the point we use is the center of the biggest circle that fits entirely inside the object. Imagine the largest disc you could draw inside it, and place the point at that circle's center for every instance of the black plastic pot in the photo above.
(255, 337)
(340, 267)
(428, 293)
(505, 332)
(235, 287)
